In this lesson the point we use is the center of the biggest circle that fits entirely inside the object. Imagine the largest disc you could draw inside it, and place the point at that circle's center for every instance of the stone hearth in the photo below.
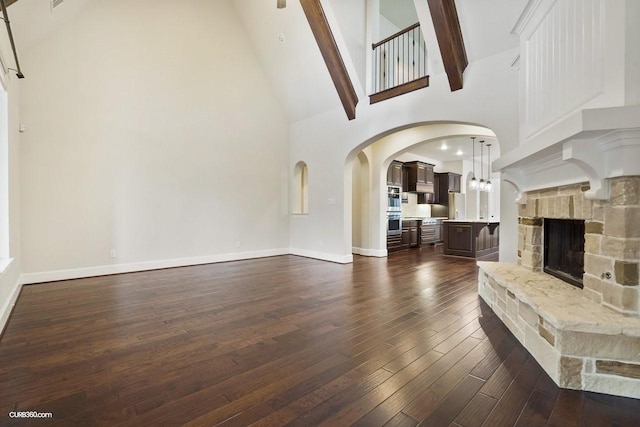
(585, 339)
(582, 345)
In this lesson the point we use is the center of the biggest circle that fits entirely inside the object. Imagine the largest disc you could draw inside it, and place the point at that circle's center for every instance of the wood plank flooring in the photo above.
(397, 341)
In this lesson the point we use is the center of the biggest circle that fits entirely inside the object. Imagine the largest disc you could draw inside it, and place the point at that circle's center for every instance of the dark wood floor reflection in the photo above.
(396, 341)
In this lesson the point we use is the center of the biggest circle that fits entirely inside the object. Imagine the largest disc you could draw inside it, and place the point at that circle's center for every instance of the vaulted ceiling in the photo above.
(284, 43)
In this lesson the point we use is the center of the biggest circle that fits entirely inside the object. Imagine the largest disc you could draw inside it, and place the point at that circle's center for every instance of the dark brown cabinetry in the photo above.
(394, 243)
(425, 198)
(394, 174)
(471, 239)
(411, 233)
(431, 233)
(409, 238)
(420, 177)
(445, 183)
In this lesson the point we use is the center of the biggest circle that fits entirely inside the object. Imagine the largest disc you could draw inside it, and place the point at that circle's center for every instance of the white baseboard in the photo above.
(340, 259)
(370, 252)
(5, 310)
(104, 270)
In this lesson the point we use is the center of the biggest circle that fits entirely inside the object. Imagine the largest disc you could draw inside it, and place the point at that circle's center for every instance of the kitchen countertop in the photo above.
(479, 221)
(424, 217)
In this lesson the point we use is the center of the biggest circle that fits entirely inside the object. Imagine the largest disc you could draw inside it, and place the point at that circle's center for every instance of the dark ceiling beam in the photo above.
(449, 34)
(9, 2)
(331, 54)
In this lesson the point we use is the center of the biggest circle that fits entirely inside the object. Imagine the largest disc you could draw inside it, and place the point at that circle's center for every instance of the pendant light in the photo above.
(282, 4)
(482, 185)
(473, 184)
(489, 186)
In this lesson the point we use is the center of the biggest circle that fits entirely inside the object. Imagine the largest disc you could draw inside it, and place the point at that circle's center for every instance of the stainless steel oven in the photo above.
(394, 223)
(394, 199)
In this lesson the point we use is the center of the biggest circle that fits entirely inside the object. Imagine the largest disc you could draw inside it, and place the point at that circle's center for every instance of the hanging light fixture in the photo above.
(473, 184)
(482, 185)
(282, 4)
(489, 186)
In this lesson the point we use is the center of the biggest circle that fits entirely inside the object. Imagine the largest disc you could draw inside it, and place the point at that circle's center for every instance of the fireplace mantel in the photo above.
(589, 145)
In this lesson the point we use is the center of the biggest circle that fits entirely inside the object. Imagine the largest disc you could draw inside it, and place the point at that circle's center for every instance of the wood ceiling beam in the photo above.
(331, 54)
(449, 35)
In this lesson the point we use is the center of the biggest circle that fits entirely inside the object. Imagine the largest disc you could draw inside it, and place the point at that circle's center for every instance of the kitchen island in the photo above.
(472, 239)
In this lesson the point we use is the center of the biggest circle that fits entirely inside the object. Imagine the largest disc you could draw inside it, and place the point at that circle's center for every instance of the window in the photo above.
(301, 189)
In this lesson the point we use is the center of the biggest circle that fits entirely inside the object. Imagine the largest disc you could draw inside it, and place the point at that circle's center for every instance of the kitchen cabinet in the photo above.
(411, 233)
(425, 198)
(405, 179)
(394, 243)
(421, 177)
(431, 233)
(394, 174)
(445, 183)
(473, 239)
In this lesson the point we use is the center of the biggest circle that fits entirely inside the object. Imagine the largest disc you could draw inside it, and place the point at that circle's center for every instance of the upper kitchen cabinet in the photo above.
(447, 182)
(421, 177)
(394, 174)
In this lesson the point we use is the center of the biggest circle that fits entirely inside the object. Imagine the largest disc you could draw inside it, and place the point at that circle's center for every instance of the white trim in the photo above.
(340, 259)
(5, 311)
(370, 252)
(104, 270)
(527, 14)
(4, 73)
(4, 264)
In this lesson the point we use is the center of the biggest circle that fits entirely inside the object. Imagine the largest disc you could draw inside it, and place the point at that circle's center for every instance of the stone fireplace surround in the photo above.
(585, 339)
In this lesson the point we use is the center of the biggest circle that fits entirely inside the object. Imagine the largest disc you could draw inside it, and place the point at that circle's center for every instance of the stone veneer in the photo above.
(612, 238)
(585, 339)
(581, 344)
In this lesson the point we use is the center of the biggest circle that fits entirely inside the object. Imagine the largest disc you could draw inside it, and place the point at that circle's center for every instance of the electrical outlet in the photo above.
(331, 201)
(112, 253)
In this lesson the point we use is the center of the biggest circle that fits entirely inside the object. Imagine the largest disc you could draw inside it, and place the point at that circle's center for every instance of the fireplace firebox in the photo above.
(564, 249)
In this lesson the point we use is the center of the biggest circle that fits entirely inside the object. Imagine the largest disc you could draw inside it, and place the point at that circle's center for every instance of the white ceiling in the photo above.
(433, 150)
(295, 68)
(401, 13)
(486, 24)
(32, 20)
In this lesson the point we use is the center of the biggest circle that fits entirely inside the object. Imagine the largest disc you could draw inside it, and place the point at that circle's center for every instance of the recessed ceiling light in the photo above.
(443, 146)
(459, 152)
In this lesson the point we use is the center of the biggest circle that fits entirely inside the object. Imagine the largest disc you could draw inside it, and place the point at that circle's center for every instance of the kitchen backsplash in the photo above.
(413, 209)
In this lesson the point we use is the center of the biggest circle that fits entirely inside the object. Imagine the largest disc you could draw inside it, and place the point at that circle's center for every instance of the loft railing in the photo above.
(399, 60)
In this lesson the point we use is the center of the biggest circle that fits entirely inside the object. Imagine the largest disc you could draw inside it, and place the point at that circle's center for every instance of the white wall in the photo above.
(151, 130)
(576, 54)
(10, 278)
(351, 18)
(328, 140)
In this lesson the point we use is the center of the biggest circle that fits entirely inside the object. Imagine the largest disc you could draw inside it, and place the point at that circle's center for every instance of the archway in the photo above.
(380, 152)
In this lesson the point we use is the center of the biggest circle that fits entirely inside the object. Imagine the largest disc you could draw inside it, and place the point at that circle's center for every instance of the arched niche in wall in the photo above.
(300, 201)
(360, 210)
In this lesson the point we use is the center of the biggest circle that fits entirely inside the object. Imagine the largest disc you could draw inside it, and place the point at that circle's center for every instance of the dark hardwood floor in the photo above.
(397, 341)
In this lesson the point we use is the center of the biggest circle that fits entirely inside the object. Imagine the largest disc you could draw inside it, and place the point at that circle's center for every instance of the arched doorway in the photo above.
(380, 152)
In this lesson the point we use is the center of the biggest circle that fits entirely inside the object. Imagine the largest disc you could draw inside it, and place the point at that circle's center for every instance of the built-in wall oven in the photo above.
(394, 211)
(394, 199)
(394, 223)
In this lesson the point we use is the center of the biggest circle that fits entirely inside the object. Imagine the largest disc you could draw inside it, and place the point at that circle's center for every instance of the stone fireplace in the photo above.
(563, 249)
(577, 159)
(611, 240)
(589, 338)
